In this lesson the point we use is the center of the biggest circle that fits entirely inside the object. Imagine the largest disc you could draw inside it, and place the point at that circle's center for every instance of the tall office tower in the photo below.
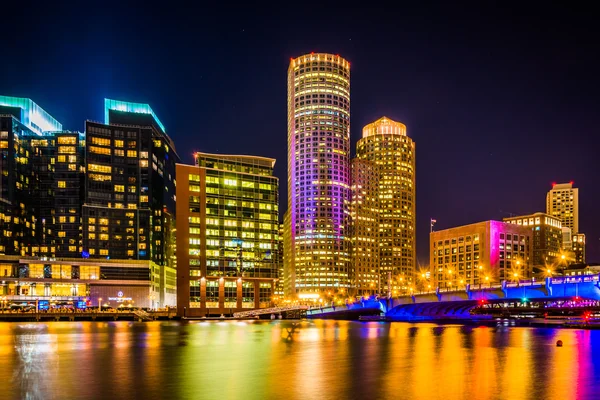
(387, 214)
(563, 202)
(227, 234)
(318, 172)
(364, 213)
(129, 186)
(21, 121)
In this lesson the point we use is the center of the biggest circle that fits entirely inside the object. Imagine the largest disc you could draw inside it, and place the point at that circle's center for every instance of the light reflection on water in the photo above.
(295, 359)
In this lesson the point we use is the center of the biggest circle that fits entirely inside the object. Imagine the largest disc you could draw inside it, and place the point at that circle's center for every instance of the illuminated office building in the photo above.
(480, 253)
(364, 212)
(547, 236)
(318, 173)
(227, 234)
(68, 196)
(562, 201)
(22, 124)
(130, 185)
(383, 208)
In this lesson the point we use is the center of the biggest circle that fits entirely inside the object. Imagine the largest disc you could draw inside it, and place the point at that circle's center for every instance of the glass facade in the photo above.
(227, 232)
(318, 172)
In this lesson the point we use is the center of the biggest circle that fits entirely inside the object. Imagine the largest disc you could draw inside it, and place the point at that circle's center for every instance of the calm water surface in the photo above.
(294, 360)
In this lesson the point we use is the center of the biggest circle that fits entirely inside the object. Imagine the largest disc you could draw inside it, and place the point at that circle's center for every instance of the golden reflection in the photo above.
(295, 360)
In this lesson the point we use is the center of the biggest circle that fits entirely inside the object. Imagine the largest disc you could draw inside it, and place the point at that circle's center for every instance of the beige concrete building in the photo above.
(364, 212)
(383, 208)
(480, 253)
(562, 201)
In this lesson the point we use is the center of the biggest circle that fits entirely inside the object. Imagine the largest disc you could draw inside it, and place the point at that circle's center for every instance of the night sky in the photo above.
(501, 102)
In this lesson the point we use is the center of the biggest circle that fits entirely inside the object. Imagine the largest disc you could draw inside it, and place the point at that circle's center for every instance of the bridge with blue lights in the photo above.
(460, 304)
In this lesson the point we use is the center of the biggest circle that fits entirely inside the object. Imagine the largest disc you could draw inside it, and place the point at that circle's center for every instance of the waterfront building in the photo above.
(227, 234)
(578, 246)
(318, 174)
(112, 283)
(562, 201)
(108, 193)
(480, 253)
(129, 203)
(22, 123)
(364, 212)
(383, 208)
(547, 235)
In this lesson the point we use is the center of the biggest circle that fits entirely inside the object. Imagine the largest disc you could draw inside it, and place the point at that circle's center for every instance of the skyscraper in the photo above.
(318, 173)
(383, 207)
(129, 201)
(24, 126)
(562, 201)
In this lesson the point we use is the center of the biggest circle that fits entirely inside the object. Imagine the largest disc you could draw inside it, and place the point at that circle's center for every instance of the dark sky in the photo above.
(501, 101)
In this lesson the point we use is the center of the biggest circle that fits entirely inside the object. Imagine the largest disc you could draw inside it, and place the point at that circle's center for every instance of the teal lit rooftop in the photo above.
(126, 106)
(32, 116)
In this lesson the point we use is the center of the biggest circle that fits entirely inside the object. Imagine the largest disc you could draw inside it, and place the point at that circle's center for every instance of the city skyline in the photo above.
(499, 103)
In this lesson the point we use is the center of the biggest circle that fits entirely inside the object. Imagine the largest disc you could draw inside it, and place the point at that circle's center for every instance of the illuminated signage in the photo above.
(119, 297)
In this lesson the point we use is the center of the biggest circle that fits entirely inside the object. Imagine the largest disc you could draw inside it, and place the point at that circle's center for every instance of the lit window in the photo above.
(62, 184)
(119, 188)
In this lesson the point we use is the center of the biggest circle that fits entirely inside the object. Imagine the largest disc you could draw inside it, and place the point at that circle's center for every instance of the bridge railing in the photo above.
(272, 310)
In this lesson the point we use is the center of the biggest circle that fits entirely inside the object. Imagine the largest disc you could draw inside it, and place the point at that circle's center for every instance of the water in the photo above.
(294, 360)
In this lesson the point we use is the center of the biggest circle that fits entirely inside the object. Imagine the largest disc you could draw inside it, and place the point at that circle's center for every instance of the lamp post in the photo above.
(100, 304)
(487, 279)
(479, 275)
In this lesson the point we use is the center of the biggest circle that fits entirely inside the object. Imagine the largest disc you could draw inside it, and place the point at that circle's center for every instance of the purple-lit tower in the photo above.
(315, 235)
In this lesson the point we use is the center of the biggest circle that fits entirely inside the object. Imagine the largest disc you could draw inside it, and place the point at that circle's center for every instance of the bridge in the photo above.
(269, 311)
(458, 304)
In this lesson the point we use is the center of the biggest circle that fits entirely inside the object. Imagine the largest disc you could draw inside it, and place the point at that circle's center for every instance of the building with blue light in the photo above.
(29, 114)
(24, 128)
(108, 193)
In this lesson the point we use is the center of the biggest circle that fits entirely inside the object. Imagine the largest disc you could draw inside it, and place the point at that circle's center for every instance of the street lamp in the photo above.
(516, 276)
(487, 278)
(100, 304)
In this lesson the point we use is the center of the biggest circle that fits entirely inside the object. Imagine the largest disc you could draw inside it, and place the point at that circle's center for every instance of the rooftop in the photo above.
(32, 116)
(126, 106)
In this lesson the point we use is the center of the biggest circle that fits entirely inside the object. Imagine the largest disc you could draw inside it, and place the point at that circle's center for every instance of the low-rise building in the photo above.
(93, 281)
(547, 237)
(578, 247)
(480, 253)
